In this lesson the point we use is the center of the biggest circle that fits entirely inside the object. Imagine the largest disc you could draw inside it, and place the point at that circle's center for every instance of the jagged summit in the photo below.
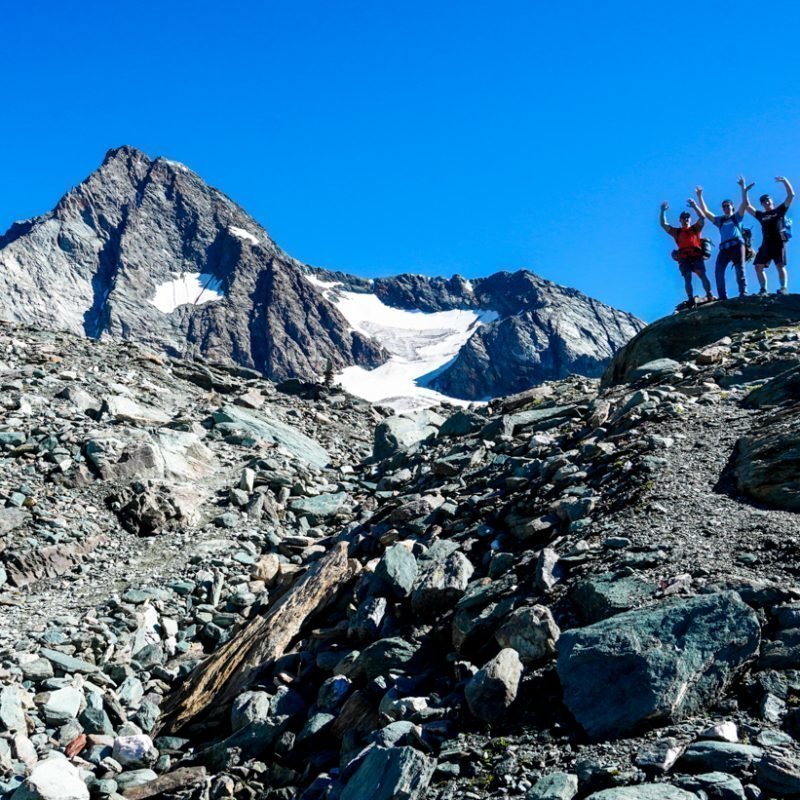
(144, 249)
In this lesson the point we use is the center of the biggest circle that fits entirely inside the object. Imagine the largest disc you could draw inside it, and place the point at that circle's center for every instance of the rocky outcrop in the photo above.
(675, 336)
(675, 658)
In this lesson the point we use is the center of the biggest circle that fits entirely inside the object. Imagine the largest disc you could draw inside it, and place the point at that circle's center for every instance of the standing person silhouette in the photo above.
(689, 254)
(774, 235)
(732, 244)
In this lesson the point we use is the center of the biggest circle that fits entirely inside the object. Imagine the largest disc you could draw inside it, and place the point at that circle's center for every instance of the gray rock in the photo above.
(779, 773)
(659, 756)
(319, 508)
(53, 779)
(644, 791)
(548, 570)
(674, 335)
(399, 433)
(532, 632)
(397, 570)
(493, 689)
(63, 705)
(768, 461)
(250, 707)
(441, 583)
(395, 773)
(602, 596)
(676, 656)
(12, 713)
(715, 785)
(385, 655)
(556, 786)
(720, 757)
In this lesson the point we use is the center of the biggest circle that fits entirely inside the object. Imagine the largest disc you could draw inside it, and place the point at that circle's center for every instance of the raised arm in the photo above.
(664, 224)
(703, 208)
(789, 191)
(745, 204)
(700, 219)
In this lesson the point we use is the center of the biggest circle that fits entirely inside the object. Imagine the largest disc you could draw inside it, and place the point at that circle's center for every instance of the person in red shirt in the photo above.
(689, 254)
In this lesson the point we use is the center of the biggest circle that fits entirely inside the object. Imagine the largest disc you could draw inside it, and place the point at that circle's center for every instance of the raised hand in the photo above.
(781, 179)
(741, 181)
(664, 206)
(699, 191)
(691, 203)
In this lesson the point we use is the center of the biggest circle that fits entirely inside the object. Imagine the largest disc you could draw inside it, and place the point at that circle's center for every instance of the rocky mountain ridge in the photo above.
(580, 591)
(145, 250)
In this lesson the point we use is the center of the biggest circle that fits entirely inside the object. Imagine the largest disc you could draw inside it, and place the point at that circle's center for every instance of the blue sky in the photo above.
(434, 137)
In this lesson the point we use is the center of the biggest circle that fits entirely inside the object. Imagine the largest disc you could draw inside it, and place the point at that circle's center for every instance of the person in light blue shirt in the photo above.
(731, 239)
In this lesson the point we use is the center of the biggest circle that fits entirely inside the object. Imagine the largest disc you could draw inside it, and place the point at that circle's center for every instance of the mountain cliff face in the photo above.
(145, 250)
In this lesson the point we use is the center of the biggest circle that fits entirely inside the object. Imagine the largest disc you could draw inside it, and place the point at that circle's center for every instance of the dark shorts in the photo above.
(695, 265)
(771, 251)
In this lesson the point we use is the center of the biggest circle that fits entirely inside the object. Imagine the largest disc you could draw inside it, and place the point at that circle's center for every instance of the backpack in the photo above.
(706, 245)
(749, 253)
(786, 228)
(747, 235)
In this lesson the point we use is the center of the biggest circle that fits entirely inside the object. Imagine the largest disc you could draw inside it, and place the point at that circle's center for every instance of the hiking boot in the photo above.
(782, 290)
(691, 303)
(710, 298)
(762, 291)
(742, 294)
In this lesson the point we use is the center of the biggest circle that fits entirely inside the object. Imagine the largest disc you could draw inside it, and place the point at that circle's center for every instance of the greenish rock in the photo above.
(719, 757)
(526, 419)
(317, 723)
(400, 433)
(715, 785)
(780, 389)
(12, 438)
(135, 777)
(462, 423)
(385, 655)
(767, 461)
(644, 791)
(394, 773)
(95, 720)
(67, 663)
(271, 430)
(320, 507)
(676, 658)
(603, 596)
(397, 570)
(779, 774)
(556, 786)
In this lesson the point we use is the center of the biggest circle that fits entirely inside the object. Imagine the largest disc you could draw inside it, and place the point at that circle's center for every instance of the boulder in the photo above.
(767, 464)
(656, 664)
(400, 433)
(53, 779)
(532, 632)
(493, 689)
(397, 570)
(556, 786)
(779, 773)
(394, 773)
(441, 584)
(644, 791)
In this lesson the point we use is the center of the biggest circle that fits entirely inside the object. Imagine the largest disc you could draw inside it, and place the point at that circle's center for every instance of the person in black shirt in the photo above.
(773, 240)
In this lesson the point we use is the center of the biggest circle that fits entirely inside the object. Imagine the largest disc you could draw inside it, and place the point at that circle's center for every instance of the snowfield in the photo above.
(189, 288)
(241, 233)
(421, 345)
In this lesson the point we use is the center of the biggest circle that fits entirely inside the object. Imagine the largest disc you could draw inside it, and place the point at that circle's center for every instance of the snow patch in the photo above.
(241, 233)
(468, 286)
(321, 283)
(189, 288)
(420, 345)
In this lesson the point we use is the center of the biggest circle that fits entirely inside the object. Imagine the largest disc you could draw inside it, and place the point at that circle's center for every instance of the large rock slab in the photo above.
(394, 773)
(53, 779)
(768, 460)
(656, 664)
(644, 791)
(673, 336)
(494, 687)
(268, 429)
